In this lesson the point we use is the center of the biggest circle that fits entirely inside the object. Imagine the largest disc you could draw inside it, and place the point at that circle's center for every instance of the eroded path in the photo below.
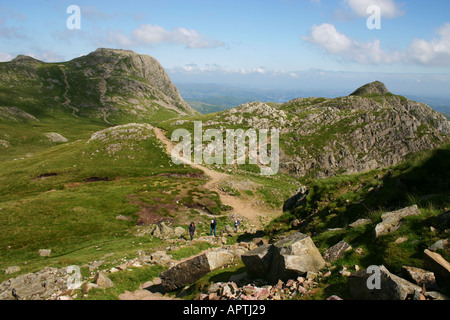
(250, 210)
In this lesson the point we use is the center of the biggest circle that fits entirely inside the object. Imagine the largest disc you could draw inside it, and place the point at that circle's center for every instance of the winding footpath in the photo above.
(241, 207)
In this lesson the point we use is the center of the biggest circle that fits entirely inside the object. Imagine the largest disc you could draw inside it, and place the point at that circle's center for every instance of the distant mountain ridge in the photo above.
(108, 84)
(320, 137)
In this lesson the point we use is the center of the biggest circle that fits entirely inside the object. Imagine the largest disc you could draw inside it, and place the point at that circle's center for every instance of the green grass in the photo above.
(68, 197)
(336, 202)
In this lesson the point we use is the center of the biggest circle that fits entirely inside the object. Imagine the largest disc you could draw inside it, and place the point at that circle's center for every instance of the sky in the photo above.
(328, 45)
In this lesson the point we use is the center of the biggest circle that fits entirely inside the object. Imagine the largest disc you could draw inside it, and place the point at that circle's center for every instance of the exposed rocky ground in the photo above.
(320, 137)
(290, 268)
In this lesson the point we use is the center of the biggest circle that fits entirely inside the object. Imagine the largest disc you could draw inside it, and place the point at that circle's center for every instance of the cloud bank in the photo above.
(148, 34)
(420, 52)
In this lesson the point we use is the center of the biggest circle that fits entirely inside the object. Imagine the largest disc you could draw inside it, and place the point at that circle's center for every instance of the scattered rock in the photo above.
(336, 252)
(391, 286)
(391, 221)
(48, 283)
(334, 297)
(102, 281)
(440, 245)
(438, 265)
(359, 222)
(56, 137)
(45, 252)
(433, 295)
(421, 277)
(401, 240)
(12, 269)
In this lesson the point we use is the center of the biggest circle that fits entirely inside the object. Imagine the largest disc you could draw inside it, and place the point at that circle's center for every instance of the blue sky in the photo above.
(266, 43)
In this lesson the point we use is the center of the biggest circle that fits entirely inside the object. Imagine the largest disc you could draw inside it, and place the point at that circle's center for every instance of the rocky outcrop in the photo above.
(106, 84)
(391, 287)
(288, 258)
(321, 137)
(293, 288)
(192, 269)
(392, 221)
(376, 87)
(48, 283)
(258, 261)
(438, 265)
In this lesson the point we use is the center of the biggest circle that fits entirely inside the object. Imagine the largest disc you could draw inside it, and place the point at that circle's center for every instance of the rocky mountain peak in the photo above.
(375, 87)
(22, 59)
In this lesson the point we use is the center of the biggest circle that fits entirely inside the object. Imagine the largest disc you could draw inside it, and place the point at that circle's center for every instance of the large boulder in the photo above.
(288, 258)
(294, 256)
(219, 258)
(438, 265)
(185, 273)
(391, 287)
(258, 261)
(392, 221)
(192, 269)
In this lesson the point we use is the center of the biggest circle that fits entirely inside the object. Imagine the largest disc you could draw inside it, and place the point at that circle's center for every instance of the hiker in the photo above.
(192, 229)
(236, 225)
(213, 227)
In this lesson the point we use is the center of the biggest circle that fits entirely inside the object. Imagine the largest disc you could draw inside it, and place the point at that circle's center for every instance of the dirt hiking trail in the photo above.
(241, 207)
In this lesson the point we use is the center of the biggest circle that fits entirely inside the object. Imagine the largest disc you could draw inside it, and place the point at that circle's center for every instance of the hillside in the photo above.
(87, 180)
(321, 137)
(75, 98)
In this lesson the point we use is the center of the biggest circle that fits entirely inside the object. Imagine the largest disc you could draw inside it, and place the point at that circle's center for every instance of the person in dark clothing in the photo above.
(236, 225)
(213, 227)
(192, 229)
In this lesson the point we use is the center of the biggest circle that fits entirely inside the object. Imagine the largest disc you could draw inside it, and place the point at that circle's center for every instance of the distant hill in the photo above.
(115, 86)
(75, 98)
(321, 137)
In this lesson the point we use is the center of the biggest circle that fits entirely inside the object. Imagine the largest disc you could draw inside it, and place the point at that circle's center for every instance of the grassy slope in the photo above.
(48, 201)
(336, 202)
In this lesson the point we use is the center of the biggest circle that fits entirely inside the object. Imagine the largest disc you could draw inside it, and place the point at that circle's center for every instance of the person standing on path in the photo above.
(236, 225)
(192, 230)
(213, 227)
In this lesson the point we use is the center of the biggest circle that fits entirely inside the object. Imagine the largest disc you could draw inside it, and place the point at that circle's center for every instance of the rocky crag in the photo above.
(107, 84)
(320, 137)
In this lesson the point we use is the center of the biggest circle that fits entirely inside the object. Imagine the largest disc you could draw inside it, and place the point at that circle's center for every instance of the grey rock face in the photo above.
(391, 287)
(194, 268)
(288, 258)
(258, 261)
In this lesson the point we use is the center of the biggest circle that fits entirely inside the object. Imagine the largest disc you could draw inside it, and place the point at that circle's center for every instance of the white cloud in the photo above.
(148, 34)
(5, 57)
(327, 37)
(420, 52)
(218, 69)
(389, 8)
(431, 53)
